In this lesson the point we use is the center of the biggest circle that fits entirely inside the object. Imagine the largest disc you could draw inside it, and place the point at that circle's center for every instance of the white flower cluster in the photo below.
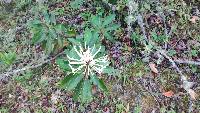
(87, 60)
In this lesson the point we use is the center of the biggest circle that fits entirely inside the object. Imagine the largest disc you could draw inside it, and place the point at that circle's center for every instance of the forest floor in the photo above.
(162, 76)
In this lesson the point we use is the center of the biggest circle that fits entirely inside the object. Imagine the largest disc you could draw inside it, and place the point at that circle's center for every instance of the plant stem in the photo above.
(86, 70)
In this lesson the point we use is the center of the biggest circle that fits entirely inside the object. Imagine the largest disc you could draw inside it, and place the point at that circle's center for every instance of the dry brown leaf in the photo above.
(153, 67)
(168, 93)
(129, 49)
(65, 43)
(193, 95)
(194, 19)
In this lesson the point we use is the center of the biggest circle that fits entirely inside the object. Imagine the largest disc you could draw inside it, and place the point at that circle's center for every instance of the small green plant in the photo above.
(171, 52)
(4, 110)
(121, 108)
(164, 110)
(7, 58)
(84, 63)
(47, 32)
(24, 79)
(159, 38)
(76, 3)
(104, 26)
(22, 4)
(138, 109)
(136, 38)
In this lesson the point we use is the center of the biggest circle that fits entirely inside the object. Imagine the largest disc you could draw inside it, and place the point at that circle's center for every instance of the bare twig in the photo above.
(187, 62)
(162, 52)
(186, 84)
(132, 10)
(14, 72)
(172, 62)
(141, 24)
(190, 109)
(183, 78)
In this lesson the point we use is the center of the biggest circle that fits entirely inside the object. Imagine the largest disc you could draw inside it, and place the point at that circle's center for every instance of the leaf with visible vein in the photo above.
(108, 19)
(87, 91)
(100, 84)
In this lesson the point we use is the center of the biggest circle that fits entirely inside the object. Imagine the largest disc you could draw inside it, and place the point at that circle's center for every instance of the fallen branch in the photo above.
(173, 64)
(187, 62)
(185, 83)
(16, 71)
(141, 24)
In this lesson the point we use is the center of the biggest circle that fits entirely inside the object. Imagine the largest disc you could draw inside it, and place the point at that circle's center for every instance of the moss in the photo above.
(138, 68)
(148, 103)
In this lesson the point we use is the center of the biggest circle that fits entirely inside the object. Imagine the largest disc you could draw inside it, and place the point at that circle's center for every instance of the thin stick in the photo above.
(141, 24)
(14, 72)
(172, 62)
(187, 62)
(186, 85)
(183, 78)
(190, 109)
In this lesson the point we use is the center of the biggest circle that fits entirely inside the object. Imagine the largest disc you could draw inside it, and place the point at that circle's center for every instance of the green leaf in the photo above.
(36, 37)
(78, 89)
(53, 18)
(76, 4)
(63, 64)
(52, 33)
(112, 27)
(36, 28)
(95, 38)
(87, 36)
(102, 85)
(49, 46)
(8, 58)
(111, 71)
(11, 56)
(71, 81)
(96, 21)
(108, 19)
(135, 37)
(73, 41)
(71, 32)
(147, 6)
(99, 83)
(74, 82)
(72, 53)
(154, 35)
(60, 28)
(64, 82)
(60, 42)
(46, 17)
(43, 36)
(87, 91)
(108, 36)
(34, 22)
